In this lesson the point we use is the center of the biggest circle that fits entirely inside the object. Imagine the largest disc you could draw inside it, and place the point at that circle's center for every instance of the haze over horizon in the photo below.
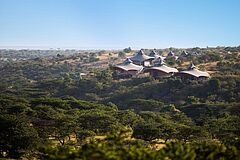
(107, 24)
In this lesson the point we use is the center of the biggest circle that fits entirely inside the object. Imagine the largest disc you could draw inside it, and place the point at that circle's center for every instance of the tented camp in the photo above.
(193, 73)
(171, 54)
(127, 69)
(184, 54)
(141, 59)
(155, 55)
(160, 70)
(194, 54)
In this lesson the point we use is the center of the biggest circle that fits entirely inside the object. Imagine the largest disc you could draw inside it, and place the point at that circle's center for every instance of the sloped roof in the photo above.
(184, 54)
(171, 54)
(162, 58)
(194, 53)
(163, 68)
(83, 74)
(158, 61)
(127, 65)
(196, 73)
(155, 55)
(191, 66)
(192, 70)
(141, 57)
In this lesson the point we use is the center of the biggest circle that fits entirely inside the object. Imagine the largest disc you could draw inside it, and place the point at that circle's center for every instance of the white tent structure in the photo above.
(171, 54)
(128, 68)
(155, 55)
(193, 73)
(161, 70)
(184, 54)
(142, 59)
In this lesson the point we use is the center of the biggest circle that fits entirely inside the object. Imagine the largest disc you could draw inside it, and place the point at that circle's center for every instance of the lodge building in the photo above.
(192, 73)
(142, 59)
(127, 69)
(160, 70)
(153, 65)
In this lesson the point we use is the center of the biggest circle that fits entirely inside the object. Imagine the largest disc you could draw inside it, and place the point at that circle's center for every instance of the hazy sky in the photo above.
(119, 23)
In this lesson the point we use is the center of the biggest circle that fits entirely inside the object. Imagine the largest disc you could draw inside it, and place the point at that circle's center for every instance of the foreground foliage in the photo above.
(115, 147)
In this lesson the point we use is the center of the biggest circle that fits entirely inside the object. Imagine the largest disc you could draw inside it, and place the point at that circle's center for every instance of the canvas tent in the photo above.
(193, 73)
(142, 59)
(160, 70)
(128, 68)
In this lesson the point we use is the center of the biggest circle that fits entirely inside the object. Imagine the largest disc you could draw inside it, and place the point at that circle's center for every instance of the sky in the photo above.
(116, 24)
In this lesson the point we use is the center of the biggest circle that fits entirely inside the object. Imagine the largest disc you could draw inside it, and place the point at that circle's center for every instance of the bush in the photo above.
(115, 147)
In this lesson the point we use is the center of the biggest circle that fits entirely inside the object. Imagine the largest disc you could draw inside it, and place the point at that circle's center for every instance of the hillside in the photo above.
(56, 106)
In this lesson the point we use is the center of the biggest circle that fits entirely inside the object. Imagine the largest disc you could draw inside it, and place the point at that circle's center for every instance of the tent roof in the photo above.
(164, 68)
(194, 53)
(127, 61)
(141, 57)
(191, 66)
(83, 74)
(171, 54)
(153, 54)
(183, 54)
(192, 70)
(127, 65)
(159, 61)
(196, 73)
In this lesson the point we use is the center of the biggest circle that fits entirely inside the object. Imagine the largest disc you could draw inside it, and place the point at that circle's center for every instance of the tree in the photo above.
(128, 118)
(63, 128)
(104, 75)
(83, 134)
(121, 54)
(146, 105)
(171, 60)
(191, 133)
(225, 128)
(214, 85)
(147, 131)
(98, 122)
(127, 50)
(17, 135)
(117, 147)
(192, 100)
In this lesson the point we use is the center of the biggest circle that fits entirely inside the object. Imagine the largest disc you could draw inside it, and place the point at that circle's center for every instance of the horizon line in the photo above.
(101, 48)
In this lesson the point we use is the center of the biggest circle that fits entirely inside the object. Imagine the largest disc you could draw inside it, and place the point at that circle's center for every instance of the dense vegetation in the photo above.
(48, 110)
